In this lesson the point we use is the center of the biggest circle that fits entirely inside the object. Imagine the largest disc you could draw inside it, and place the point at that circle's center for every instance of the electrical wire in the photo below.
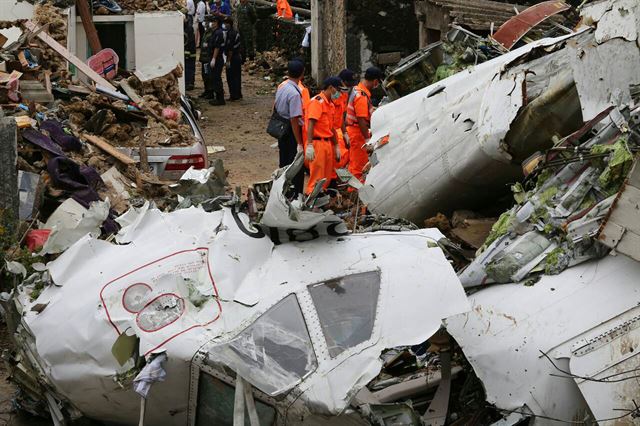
(569, 375)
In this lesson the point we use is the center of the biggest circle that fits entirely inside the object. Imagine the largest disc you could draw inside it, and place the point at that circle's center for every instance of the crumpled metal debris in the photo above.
(214, 286)
(461, 144)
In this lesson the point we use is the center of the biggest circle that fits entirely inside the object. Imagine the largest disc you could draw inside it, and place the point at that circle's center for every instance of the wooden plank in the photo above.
(62, 51)
(108, 148)
(89, 28)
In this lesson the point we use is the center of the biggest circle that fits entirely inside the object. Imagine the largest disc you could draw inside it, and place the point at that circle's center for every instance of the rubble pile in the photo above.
(270, 63)
(131, 6)
(51, 17)
(79, 144)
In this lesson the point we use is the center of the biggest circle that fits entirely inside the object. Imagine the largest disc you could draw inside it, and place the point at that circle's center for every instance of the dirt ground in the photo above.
(240, 127)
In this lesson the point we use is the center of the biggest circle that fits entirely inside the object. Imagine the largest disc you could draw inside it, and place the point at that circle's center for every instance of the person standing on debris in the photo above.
(322, 150)
(218, 45)
(288, 105)
(201, 12)
(246, 17)
(283, 9)
(347, 78)
(359, 110)
(234, 61)
(189, 53)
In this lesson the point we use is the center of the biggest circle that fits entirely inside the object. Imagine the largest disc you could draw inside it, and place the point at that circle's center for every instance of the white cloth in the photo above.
(306, 40)
(151, 373)
(191, 8)
(201, 11)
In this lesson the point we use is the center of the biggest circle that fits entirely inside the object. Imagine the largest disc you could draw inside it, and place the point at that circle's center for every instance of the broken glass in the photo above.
(275, 353)
(347, 309)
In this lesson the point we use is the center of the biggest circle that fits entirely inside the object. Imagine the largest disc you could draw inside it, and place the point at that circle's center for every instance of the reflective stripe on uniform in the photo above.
(352, 119)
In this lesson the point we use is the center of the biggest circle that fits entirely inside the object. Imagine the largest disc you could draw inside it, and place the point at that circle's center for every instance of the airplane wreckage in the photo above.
(194, 317)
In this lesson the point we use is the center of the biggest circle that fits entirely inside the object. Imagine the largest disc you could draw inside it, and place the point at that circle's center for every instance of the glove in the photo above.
(298, 148)
(347, 141)
(336, 149)
(310, 154)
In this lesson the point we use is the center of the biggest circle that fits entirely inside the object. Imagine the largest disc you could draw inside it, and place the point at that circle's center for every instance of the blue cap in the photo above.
(295, 69)
(348, 77)
(373, 73)
(331, 81)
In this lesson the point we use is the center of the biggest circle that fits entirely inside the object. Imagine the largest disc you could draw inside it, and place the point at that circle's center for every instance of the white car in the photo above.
(170, 163)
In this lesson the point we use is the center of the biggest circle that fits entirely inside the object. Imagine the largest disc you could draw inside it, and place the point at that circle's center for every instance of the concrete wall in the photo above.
(81, 46)
(150, 36)
(380, 26)
(159, 35)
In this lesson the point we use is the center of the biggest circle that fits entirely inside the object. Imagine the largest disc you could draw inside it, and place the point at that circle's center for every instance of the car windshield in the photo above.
(347, 309)
(275, 353)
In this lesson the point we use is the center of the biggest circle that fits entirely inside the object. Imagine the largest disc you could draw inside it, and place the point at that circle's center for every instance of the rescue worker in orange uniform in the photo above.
(322, 150)
(283, 9)
(359, 110)
(347, 77)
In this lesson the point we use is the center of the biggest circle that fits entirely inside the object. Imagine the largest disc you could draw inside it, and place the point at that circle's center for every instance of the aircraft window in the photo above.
(215, 404)
(347, 309)
(274, 353)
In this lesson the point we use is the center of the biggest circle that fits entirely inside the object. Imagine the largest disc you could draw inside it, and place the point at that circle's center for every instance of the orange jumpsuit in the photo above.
(359, 106)
(341, 108)
(306, 99)
(284, 10)
(321, 110)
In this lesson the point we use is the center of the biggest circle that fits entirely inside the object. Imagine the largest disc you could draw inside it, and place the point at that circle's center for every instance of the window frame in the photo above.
(320, 339)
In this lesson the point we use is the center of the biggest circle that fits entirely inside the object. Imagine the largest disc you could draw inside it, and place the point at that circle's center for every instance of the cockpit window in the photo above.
(274, 353)
(347, 309)
(215, 404)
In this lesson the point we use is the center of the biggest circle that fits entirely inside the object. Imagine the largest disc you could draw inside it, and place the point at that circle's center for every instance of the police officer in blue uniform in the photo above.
(219, 45)
(234, 61)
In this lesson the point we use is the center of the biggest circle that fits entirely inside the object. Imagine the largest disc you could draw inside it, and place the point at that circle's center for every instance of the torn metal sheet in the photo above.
(449, 160)
(71, 221)
(598, 83)
(296, 218)
(613, 18)
(461, 146)
(510, 328)
(212, 285)
(621, 229)
(515, 28)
